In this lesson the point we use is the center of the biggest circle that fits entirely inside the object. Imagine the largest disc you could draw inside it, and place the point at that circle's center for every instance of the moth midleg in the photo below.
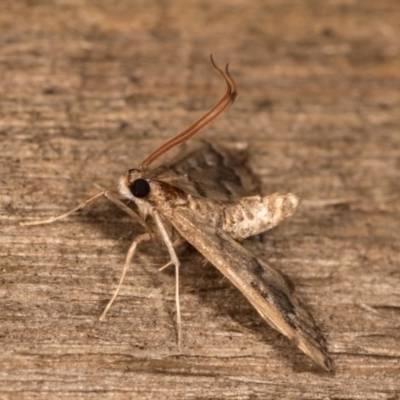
(174, 261)
(108, 195)
(128, 260)
(86, 203)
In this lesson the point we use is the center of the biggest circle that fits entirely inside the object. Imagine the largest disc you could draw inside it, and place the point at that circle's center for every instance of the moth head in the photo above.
(133, 186)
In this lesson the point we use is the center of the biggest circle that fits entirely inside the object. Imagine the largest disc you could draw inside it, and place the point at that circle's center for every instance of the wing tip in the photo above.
(323, 360)
(318, 353)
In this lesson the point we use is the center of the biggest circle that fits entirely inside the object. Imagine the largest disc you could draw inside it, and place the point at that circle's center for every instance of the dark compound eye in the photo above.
(140, 188)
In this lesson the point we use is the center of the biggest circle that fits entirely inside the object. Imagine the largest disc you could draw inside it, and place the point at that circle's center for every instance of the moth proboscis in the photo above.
(208, 198)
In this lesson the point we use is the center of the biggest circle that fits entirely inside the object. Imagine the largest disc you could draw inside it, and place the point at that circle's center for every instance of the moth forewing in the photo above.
(265, 287)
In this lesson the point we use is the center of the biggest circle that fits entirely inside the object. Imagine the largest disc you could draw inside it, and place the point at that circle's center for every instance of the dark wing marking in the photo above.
(213, 171)
(267, 290)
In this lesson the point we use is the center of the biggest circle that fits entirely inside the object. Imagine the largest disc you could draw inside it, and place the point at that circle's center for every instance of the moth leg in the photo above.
(50, 220)
(169, 263)
(124, 207)
(176, 243)
(174, 261)
(86, 203)
(128, 260)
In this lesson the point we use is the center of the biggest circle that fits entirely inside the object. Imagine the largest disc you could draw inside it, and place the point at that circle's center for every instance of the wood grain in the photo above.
(88, 89)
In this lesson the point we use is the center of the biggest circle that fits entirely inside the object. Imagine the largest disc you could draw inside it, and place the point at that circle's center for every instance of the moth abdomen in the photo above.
(253, 215)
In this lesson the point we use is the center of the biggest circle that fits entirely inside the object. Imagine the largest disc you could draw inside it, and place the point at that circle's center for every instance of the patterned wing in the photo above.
(213, 171)
(265, 288)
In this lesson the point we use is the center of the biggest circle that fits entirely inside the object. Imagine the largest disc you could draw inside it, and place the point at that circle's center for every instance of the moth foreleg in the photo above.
(87, 203)
(128, 260)
(81, 206)
(175, 261)
(124, 207)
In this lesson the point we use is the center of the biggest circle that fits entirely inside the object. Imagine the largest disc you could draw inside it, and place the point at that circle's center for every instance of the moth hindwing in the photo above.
(208, 197)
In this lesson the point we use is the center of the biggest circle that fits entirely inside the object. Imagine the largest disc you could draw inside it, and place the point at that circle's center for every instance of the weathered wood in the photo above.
(87, 91)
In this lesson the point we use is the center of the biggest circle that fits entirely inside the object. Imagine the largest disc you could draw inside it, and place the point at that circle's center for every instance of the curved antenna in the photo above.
(227, 99)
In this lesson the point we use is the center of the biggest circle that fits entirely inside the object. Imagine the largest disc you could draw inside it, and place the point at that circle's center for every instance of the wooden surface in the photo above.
(88, 89)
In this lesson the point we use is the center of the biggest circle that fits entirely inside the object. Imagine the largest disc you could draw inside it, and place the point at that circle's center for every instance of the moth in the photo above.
(207, 197)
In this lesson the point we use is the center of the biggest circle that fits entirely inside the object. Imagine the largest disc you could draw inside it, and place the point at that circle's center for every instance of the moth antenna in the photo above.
(227, 99)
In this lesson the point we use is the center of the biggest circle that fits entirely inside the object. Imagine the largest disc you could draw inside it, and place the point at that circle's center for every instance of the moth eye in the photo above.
(140, 188)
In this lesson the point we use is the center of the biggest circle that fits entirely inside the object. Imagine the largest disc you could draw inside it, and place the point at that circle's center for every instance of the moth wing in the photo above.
(270, 293)
(218, 172)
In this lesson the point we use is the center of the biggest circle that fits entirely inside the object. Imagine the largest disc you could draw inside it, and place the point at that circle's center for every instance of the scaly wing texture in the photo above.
(213, 171)
(266, 289)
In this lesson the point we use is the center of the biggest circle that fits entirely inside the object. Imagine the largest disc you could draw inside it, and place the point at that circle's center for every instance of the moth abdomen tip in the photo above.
(293, 200)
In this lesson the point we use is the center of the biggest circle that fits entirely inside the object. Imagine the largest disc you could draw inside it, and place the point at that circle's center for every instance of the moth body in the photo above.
(242, 218)
(238, 219)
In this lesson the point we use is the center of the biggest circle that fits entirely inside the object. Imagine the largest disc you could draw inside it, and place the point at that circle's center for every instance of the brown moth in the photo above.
(208, 198)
